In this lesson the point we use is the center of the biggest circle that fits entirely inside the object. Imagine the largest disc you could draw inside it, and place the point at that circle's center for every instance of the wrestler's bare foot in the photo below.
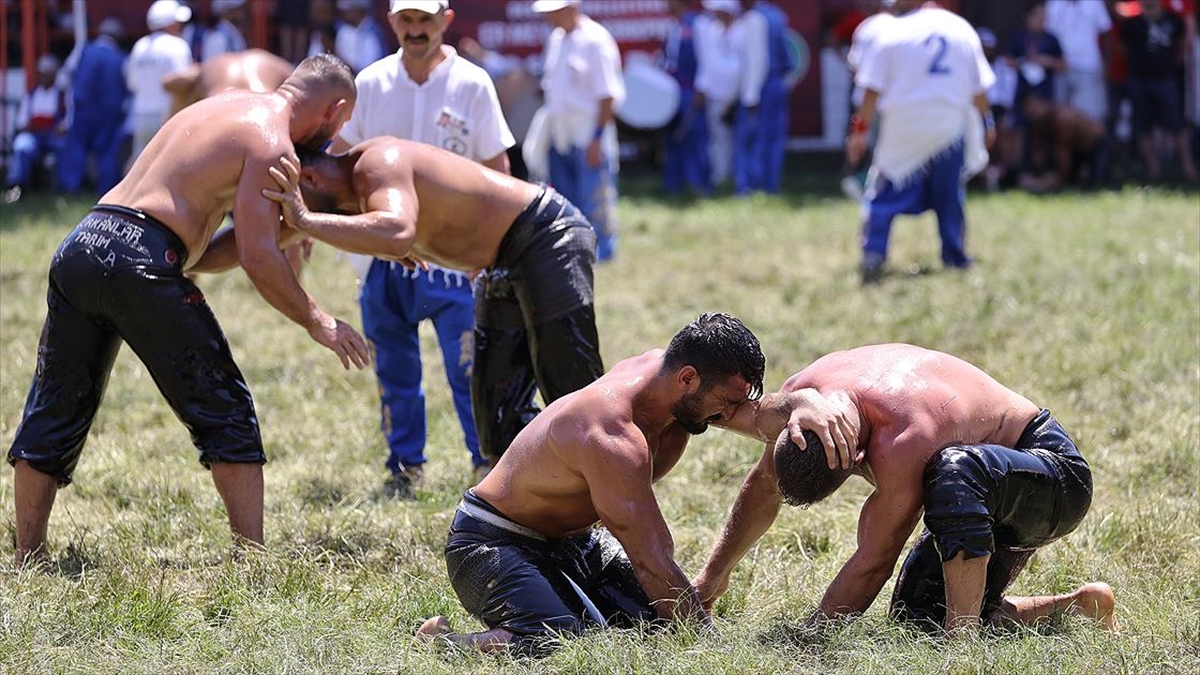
(1095, 600)
(433, 627)
(438, 629)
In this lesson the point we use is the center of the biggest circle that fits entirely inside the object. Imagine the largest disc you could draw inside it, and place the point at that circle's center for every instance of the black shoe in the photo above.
(872, 272)
(402, 484)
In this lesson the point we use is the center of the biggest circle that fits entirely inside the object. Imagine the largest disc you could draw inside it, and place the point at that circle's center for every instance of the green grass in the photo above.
(1089, 304)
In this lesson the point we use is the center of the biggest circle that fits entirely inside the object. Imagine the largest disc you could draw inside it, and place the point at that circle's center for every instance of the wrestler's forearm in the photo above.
(754, 511)
(376, 233)
(276, 283)
(854, 589)
(670, 593)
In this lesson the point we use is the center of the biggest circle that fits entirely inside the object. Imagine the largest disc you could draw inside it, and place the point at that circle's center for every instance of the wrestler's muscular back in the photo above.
(464, 208)
(929, 398)
(187, 177)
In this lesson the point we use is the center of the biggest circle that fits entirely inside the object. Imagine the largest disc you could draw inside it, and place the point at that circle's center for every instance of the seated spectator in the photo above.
(1154, 42)
(359, 39)
(98, 97)
(41, 122)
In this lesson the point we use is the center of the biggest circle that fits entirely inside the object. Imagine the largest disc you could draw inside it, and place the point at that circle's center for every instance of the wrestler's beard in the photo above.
(687, 412)
(319, 138)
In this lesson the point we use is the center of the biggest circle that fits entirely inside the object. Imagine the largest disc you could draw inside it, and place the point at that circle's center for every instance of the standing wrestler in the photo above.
(118, 276)
(523, 554)
(535, 324)
(996, 476)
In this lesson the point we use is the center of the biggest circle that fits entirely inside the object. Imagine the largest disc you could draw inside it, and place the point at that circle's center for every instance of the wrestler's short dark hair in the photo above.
(313, 156)
(718, 346)
(803, 476)
(324, 72)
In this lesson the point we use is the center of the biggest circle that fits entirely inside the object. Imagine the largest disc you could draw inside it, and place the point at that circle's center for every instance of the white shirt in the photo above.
(1078, 25)
(42, 104)
(455, 109)
(154, 57)
(861, 42)
(582, 67)
(926, 56)
(359, 45)
(717, 60)
(223, 39)
(750, 40)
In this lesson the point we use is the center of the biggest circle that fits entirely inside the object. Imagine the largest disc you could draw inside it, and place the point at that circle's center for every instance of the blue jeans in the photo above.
(593, 190)
(394, 301)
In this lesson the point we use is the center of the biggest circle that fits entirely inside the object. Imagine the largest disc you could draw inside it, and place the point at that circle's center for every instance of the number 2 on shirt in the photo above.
(938, 65)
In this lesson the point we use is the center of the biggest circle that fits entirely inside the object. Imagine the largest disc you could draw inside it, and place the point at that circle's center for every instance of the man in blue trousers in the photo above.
(761, 119)
(427, 93)
(97, 124)
(773, 114)
(686, 162)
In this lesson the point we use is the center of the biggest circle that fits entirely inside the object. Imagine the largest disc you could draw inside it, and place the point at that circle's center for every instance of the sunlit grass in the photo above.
(1087, 303)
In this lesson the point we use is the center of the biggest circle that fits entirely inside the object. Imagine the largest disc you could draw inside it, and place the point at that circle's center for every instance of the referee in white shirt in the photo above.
(424, 93)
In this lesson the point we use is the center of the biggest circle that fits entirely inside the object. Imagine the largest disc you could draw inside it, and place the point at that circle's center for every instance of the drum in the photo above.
(651, 97)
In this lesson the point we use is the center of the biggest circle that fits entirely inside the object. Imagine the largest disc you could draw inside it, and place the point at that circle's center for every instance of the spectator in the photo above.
(359, 41)
(866, 31)
(922, 77)
(686, 161)
(717, 72)
(1154, 43)
(1038, 59)
(774, 114)
(292, 17)
(41, 121)
(155, 56)
(750, 39)
(1078, 25)
(583, 86)
(226, 35)
(99, 97)
(424, 93)
(1001, 97)
(323, 18)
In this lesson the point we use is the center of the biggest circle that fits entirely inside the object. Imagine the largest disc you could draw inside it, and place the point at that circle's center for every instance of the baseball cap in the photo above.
(544, 6)
(163, 13)
(427, 6)
(732, 7)
(47, 64)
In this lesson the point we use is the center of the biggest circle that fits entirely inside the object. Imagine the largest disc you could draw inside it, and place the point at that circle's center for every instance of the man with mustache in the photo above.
(524, 554)
(119, 276)
(426, 93)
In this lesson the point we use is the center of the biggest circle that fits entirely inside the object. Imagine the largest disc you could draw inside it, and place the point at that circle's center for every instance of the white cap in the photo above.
(544, 6)
(163, 13)
(427, 6)
(731, 7)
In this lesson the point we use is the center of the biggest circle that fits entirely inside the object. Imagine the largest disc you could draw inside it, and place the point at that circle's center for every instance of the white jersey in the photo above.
(750, 40)
(455, 109)
(154, 57)
(928, 56)
(861, 42)
(582, 67)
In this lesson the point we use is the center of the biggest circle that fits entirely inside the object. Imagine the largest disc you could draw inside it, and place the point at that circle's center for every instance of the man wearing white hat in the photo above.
(425, 93)
(41, 121)
(155, 56)
(583, 86)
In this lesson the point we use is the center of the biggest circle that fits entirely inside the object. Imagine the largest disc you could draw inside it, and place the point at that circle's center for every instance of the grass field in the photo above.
(1089, 304)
